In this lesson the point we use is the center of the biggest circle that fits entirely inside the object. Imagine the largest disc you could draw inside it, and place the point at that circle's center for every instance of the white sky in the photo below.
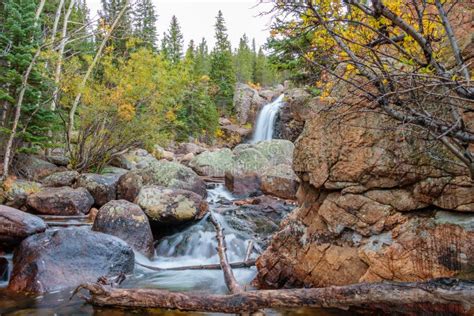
(197, 18)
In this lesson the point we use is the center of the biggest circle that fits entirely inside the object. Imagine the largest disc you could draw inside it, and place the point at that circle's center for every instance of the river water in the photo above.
(195, 245)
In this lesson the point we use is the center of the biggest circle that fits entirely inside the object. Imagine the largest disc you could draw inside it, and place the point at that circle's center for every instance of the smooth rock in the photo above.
(61, 201)
(56, 260)
(16, 225)
(134, 159)
(128, 222)
(243, 185)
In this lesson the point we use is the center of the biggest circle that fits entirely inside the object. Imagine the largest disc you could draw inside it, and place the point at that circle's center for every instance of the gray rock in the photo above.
(61, 201)
(16, 225)
(128, 222)
(61, 179)
(103, 188)
(65, 258)
(213, 163)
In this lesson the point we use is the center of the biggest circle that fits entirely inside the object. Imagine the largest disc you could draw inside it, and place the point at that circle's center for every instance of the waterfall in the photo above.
(266, 120)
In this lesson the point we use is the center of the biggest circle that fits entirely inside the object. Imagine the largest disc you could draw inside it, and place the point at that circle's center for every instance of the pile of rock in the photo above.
(250, 169)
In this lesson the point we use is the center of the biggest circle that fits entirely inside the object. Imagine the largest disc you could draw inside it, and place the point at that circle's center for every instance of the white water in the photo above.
(266, 120)
(196, 246)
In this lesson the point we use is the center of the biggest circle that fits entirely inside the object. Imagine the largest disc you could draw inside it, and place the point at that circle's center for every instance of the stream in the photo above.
(194, 245)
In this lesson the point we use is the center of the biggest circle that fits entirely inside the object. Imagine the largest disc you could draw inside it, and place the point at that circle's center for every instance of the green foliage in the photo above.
(202, 60)
(19, 40)
(244, 61)
(172, 43)
(145, 23)
(222, 71)
(123, 31)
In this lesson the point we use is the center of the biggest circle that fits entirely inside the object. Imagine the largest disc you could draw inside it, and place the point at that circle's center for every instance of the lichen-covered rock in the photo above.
(34, 168)
(16, 191)
(377, 202)
(65, 258)
(126, 221)
(61, 201)
(103, 188)
(61, 179)
(250, 160)
(190, 148)
(277, 151)
(134, 159)
(213, 163)
(16, 225)
(173, 206)
(280, 180)
(162, 173)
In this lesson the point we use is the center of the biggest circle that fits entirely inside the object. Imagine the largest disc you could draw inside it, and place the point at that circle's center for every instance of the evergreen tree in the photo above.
(190, 52)
(123, 31)
(222, 72)
(172, 43)
(201, 62)
(145, 22)
(19, 40)
(243, 61)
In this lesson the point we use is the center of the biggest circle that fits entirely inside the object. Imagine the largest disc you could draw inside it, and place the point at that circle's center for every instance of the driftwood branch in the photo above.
(229, 278)
(236, 265)
(441, 295)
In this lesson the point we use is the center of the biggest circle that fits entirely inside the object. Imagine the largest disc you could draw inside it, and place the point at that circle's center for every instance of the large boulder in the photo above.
(171, 206)
(377, 202)
(16, 225)
(134, 159)
(243, 184)
(277, 151)
(213, 163)
(61, 201)
(247, 103)
(190, 148)
(280, 181)
(61, 179)
(65, 258)
(16, 191)
(103, 188)
(233, 135)
(34, 168)
(250, 160)
(162, 173)
(126, 221)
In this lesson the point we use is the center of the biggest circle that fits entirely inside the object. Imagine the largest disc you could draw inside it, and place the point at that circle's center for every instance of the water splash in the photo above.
(266, 120)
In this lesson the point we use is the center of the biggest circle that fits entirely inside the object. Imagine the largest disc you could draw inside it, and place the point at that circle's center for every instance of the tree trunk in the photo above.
(443, 295)
(97, 56)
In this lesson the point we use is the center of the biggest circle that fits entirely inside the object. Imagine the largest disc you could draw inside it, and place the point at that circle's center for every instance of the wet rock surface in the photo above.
(128, 222)
(3, 269)
(61, 201)
(165, 206)
(65, 258)
(16, 225)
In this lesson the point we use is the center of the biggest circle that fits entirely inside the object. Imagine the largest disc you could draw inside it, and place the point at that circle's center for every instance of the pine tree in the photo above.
(19, 40)
(145, 23)
(190, 52)
(243, 61)
(123, 31)
(172, 43)
(201, 62)
(222, 72)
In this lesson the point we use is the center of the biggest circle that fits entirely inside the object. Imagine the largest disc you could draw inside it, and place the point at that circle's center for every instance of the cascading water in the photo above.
(266, 120)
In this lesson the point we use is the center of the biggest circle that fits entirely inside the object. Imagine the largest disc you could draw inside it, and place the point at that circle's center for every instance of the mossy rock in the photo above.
(213, 163)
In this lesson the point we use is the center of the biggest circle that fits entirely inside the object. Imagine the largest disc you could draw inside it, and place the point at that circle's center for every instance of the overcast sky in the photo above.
(197, 18)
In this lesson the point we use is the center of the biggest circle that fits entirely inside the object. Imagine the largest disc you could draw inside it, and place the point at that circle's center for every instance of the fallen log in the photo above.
(441, 295)
(236, 265)
(229, 278)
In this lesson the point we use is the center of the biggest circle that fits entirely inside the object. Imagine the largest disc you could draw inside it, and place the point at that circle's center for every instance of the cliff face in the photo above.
(377, 202)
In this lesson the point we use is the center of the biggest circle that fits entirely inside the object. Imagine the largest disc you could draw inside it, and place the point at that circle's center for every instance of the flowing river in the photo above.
(194, 245)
